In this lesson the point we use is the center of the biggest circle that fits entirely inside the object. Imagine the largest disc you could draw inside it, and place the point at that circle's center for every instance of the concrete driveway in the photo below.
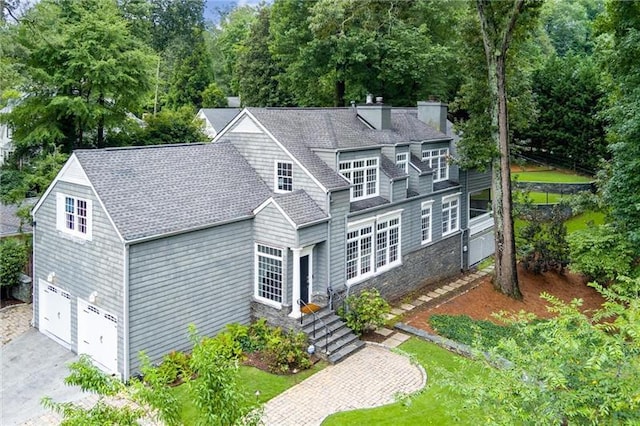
(33, 366)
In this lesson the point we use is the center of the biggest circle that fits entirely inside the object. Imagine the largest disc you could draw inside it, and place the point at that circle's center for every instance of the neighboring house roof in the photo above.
(162, 189)
(233, 101)
(220, 117)
(300, 208)
(10, 223)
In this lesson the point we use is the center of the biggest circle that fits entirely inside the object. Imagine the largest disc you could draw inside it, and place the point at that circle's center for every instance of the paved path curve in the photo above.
(372, 377)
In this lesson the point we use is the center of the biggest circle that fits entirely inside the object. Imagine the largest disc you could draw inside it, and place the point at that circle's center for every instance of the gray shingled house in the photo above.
(285, 207)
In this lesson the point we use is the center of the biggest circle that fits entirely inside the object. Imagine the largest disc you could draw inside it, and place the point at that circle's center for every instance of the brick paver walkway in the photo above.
(369, 378)
(14, 320)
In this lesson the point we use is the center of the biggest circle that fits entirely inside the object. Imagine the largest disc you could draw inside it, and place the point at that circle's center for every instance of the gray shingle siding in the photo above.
(261, 153)
(203, 277)
(81, 267)
(270, 227)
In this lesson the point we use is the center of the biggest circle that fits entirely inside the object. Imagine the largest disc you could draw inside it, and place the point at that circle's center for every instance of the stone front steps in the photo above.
(333, 340)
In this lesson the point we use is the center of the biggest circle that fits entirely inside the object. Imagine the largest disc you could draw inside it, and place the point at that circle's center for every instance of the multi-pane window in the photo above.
(359, 243)
(269, 274)
(284, 177)
(74, 215)
(450, 214)
(425, 221)
(373, 246)
(363, 175)
(437, 160)
(387, 240)
(402, 161)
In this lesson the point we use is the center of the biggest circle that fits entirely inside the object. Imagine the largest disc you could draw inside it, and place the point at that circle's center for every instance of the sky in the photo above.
(212, 6)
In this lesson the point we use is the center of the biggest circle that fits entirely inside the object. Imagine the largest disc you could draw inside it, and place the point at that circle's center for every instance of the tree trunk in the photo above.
(340, 88)
(100, 136)
(506, 272)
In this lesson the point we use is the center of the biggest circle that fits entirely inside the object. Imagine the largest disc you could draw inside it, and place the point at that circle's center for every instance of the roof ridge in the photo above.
(148, 147)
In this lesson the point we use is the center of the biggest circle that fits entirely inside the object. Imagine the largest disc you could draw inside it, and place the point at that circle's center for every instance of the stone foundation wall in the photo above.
(558, 188)
(430, 264)
(274, 316)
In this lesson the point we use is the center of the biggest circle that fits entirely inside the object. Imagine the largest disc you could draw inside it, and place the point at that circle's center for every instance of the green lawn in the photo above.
(436, 405)
(583, 220)
(251, 380)
(545, 197)
(556, 176)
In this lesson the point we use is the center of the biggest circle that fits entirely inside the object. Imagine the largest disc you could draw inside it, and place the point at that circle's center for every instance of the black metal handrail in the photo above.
(327, 333)
(336, 301)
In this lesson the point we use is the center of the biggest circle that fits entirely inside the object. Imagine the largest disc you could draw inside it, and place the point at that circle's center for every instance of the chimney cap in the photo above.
(379, 99)
(369, 100)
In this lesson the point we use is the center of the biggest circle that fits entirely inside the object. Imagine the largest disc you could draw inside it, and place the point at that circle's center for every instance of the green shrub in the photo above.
(13, 258)
(600, 253)
(464, 329)
(365, 311)
(287, 351)
(224, 345)
(259, 333)
(542, 241)
(174, 367)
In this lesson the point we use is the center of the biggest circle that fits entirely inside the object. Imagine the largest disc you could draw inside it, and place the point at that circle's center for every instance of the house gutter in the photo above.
(33, 270)
(395, 203)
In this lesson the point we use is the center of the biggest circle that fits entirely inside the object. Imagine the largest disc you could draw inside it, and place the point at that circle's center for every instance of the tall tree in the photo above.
(569, 95)
(498, 22)
(620, 53)
(257, 69)
(83, 72)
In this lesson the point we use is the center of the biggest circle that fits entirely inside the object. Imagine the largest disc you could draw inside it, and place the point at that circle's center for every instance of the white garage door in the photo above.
(98, 335)
(54, 308)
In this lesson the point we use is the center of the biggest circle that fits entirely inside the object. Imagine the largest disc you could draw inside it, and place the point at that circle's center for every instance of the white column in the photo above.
(295, 307)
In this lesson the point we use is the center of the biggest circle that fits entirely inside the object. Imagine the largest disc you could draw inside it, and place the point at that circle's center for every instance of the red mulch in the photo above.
(480, 302)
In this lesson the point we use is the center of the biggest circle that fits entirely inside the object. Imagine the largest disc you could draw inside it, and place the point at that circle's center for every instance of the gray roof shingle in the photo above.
(421, 166)
(220, 117)
(300, 207)
(302, 129)
(156, 190)
(390, 169)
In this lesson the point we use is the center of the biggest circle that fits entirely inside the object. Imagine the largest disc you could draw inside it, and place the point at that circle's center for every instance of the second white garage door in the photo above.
(98, 335)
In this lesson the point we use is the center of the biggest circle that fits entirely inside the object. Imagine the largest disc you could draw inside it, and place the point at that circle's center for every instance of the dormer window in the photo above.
(363, 175)
(284, 177)
(437, 160)
(402, 161)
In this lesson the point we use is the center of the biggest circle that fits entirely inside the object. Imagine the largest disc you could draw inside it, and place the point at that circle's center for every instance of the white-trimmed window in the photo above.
(284, 176)
(426, 221)
(373, 246)
(363, 175)
(74, 215)
(387, 242)
(359, 250)
(402, 161)
(437, 160)
(269, 274)
(450, 214)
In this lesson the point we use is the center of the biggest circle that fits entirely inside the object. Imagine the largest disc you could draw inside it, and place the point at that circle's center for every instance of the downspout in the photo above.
(125, 314)
(328, 248)
(466, 228)
(33, 271)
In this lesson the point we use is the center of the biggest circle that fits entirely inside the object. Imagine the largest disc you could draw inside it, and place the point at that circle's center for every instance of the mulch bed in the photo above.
(480, 302)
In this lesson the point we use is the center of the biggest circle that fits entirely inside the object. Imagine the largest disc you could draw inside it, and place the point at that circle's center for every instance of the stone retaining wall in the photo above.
(556, 188)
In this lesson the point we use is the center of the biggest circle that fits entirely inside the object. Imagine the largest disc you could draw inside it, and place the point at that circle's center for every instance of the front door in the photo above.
(304, 278)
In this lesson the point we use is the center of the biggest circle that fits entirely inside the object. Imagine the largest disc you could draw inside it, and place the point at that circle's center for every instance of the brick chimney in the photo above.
(434, 113)
(376, 114)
